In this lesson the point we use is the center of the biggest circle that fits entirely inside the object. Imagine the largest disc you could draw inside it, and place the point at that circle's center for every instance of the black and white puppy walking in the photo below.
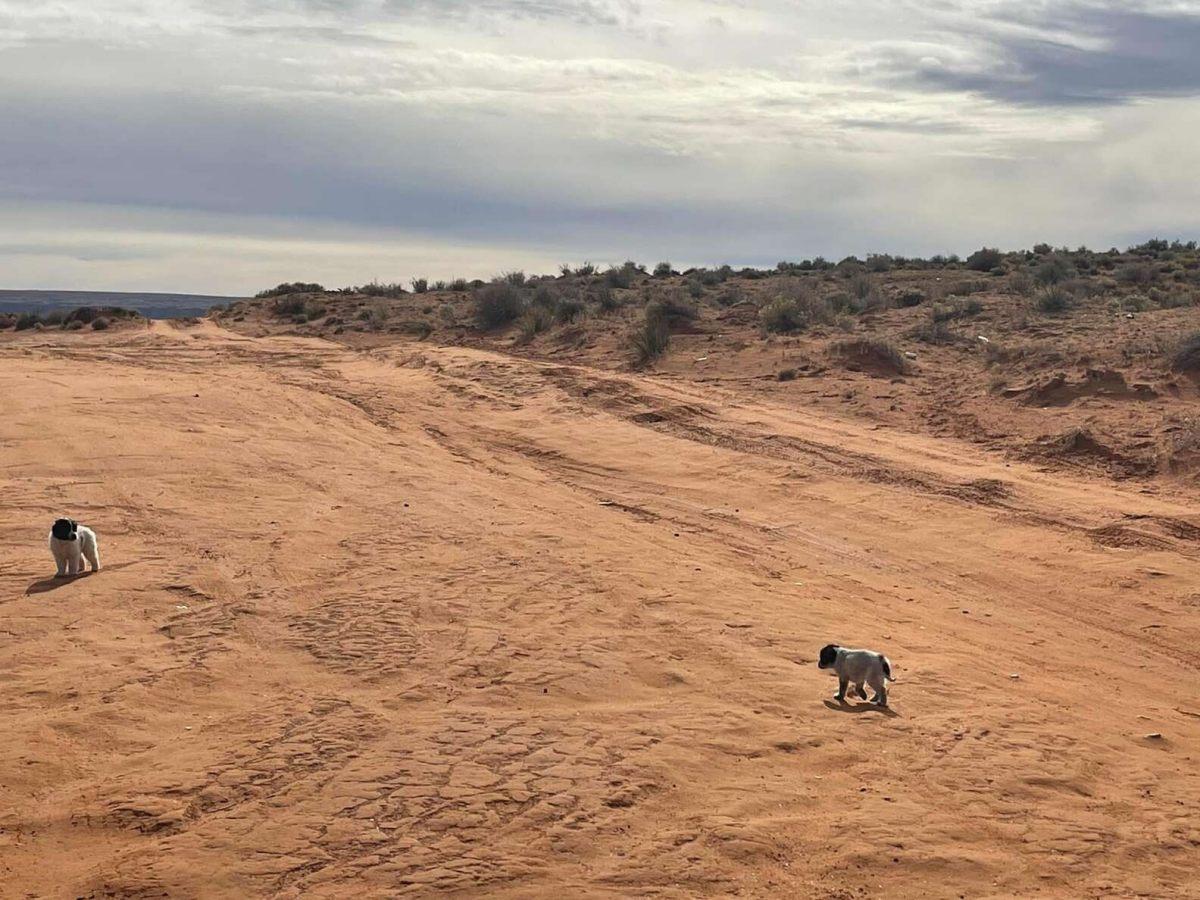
(71, 543)
(857, 667)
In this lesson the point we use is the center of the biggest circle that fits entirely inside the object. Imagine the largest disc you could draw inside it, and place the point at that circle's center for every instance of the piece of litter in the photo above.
(982, 339)
(910, 354)
(182, 606)
(737, 625)
(1015, 675)
(702, 359)
(1154, 736)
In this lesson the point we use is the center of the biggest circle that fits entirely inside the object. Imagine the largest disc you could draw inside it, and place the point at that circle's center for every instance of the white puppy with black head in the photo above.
(71, 543)
(857, 667)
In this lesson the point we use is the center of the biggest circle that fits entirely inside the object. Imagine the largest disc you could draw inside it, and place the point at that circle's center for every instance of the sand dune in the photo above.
(429, 619)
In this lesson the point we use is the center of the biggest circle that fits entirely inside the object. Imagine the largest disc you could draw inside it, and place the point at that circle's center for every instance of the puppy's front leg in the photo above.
(843, 682)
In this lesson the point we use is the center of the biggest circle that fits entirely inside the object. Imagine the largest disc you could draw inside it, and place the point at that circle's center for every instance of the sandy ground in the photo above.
(437, 620)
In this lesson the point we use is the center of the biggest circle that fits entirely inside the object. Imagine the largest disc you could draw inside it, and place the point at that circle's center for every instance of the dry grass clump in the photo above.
(872, 355)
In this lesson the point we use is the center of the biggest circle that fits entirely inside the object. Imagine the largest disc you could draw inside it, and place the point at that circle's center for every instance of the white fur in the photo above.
(858, 667)
(69, 555)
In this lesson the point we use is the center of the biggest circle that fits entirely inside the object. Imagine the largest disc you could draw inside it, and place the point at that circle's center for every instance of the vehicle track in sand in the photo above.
(439, 620)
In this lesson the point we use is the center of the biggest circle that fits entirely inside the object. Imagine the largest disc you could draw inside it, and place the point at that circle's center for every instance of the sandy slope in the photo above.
(427, 619)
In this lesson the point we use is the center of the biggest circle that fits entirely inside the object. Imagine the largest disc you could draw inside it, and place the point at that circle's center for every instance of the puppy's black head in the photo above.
(64, 529)
(828, 656)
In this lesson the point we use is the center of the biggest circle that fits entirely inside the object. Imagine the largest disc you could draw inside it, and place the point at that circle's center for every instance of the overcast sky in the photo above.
(219, 146)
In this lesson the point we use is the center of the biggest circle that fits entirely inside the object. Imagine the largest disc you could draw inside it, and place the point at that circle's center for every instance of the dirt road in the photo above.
(435, 620)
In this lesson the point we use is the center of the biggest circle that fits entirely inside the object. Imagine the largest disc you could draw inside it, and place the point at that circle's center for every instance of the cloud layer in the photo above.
(389, 138)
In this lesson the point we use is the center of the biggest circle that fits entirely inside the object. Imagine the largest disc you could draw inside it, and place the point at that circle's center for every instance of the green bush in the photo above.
(663, 270)
(27, 320)
(1053, 269)
(295, 287)
(796, 312)
(984, 259)
(651, 337)
(99, 324)
(871, 353)
(420, 285)
(1186, 357)
(498, 304)
(1054, 300)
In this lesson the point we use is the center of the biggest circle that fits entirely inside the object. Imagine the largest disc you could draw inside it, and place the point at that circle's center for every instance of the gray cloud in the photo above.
(247, 141)
(1062, 55)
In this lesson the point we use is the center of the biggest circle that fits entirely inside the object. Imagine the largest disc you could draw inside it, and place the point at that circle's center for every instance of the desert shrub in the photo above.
(1021, 283)
(730, 296)
(1053, 269)
(651, 337)
(663, 270)
(439, 286)
(498, 304)
(879, 262)
(955, 309)
(933, 331)
(515, 278)
(842, 303)
(621, 276)
(416, 327)
(793, 312)
(674, 308)
(786, 375)
(984, 259)
(1186, 357)
(299, 319)
(383, 289)
(1137, 273)
(911, 297)
(99, 324)
(1136, 302)
(459, 285)
(375, 314)
(313, 310)
(27, 320)
(7, 320)
(871, 353)
(1042, 249)
(861, 286)
(54, 317)
(534, 321)
(586, 270)
(74, 326)
(546, 297)
(420, 285)
(605, 299)
(1176, 299)
(295, 287)
(710, 277)
(285, 306)
(695, 288)
(569, 309)
(1054, 299)
(446, 314)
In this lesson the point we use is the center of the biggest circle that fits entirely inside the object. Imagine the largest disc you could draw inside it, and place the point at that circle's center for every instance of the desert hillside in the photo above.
(516, 589)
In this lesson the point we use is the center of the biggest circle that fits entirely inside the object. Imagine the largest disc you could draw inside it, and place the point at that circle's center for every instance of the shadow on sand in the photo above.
(53, 583)
(857, 708)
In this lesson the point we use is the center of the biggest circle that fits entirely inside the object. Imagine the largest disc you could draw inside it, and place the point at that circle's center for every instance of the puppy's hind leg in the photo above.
(92, 552)
(858, 689)
(880, 698)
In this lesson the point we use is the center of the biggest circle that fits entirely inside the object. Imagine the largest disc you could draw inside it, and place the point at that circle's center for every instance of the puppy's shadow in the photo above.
(53, 583)
(858, 708)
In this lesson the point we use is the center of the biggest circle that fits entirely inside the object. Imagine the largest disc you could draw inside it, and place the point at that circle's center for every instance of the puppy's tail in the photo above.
(887, 669)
